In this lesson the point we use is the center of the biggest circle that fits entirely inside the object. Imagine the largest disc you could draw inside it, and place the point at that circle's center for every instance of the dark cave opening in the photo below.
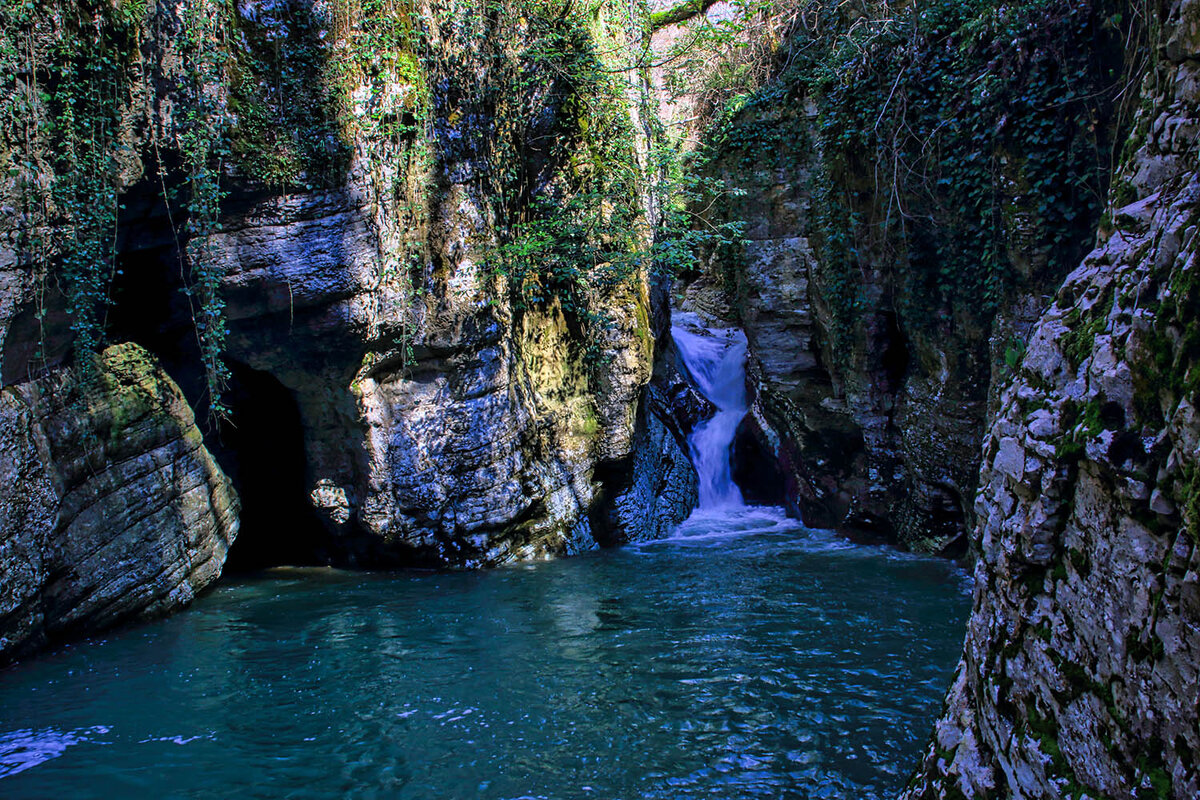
(149, 304)
(149, 307)
(755, 470)
(261, 448)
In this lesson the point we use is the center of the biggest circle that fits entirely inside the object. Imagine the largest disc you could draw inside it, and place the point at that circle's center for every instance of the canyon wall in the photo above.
(898, 242)
(1080, 669)
(329, 223)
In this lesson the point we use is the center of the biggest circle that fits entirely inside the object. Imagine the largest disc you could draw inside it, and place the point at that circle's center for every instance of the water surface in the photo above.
(748, 658)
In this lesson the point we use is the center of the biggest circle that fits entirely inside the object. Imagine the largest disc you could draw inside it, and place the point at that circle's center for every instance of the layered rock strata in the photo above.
(443, 420)
(111, 508)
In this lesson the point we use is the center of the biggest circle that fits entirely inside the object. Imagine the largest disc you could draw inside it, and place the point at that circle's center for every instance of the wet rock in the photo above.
(879, 434)
(110, 506)
(656, 491)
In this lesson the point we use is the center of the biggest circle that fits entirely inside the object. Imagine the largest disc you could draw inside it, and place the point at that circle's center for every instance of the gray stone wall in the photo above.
(1082, 658)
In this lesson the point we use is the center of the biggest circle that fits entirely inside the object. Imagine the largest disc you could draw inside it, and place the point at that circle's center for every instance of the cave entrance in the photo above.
(149, 303)
(895, 358)
(262, 450)
(149, 307)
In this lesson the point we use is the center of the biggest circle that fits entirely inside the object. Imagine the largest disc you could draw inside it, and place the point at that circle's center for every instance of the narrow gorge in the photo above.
(518, 398)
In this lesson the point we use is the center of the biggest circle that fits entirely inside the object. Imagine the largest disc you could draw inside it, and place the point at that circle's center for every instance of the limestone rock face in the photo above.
(1082, 657)
(440, 421)
(880, 434)
(110, 506)
(880, 308)
(441, 425)
(657, 493)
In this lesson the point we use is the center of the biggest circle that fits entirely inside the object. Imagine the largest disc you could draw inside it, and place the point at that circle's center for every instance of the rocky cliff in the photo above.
(1080, 669)
(110, 505)
(393, 254)
(462, 387)
(898, 249)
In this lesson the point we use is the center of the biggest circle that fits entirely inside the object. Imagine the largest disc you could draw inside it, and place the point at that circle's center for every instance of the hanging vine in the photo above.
(387, 106)
(204, 145)
(962, 148)
(66, 90)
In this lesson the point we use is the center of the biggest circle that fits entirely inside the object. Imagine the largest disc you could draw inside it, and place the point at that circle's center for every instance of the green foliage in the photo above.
(60, 124)
(204, 144)
(1084, 425)
(1156, 780)
(693, 214)
(20, 134)
(680, 12)
(565, 183)
(274, 96)
(715, 65)
(966, 144)
(1013, 353)
(1169, 368)
(309, 80)
(284, 100)
(569, 187)
(1083, 324)
(382, 71)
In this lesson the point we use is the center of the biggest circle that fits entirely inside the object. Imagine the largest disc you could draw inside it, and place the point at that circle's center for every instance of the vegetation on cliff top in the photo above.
(968, 143)
(286, 97)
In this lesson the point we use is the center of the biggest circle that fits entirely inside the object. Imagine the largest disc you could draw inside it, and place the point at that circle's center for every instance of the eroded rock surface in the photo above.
(881, 304)
(1082, 659)
(110, 506)
(878, 431)
(442, 422)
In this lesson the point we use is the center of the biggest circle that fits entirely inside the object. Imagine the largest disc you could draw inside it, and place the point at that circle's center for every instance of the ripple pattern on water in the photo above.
(747, 657)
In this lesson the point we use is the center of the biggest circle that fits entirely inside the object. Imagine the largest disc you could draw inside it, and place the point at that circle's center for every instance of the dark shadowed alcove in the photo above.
(755, 470)
(262, 450)
(895, 357)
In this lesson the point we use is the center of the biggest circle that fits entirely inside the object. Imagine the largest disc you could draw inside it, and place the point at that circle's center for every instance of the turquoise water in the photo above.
(748, 658)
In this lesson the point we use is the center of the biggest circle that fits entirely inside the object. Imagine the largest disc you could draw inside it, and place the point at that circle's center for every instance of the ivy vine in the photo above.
(967, 145)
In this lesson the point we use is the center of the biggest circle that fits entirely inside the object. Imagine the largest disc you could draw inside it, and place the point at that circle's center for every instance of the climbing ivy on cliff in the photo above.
(717, 61)
(965, 146)
(204, 144)
(284, 97)
(563, 179)
(87, 77)
(77, 73)
(269, 95)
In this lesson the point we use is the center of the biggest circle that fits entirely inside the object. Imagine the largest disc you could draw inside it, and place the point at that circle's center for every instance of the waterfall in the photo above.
(716, 359)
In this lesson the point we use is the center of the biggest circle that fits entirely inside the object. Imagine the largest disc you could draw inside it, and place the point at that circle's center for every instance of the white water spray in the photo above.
(716, 359)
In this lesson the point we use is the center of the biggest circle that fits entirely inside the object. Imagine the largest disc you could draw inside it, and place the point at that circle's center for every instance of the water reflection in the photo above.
(759, 660)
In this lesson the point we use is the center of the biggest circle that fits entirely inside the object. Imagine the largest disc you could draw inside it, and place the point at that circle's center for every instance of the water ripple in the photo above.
(741, 659)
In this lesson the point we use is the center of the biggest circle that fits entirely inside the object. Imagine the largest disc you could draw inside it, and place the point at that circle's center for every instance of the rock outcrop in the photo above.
(320, 197)
(448, 412)
(446, 421)
(657, 489)
(111, 508)
(1082, 658)
(871, 352)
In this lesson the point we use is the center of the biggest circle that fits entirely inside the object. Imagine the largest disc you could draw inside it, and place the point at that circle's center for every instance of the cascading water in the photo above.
(716, 359)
